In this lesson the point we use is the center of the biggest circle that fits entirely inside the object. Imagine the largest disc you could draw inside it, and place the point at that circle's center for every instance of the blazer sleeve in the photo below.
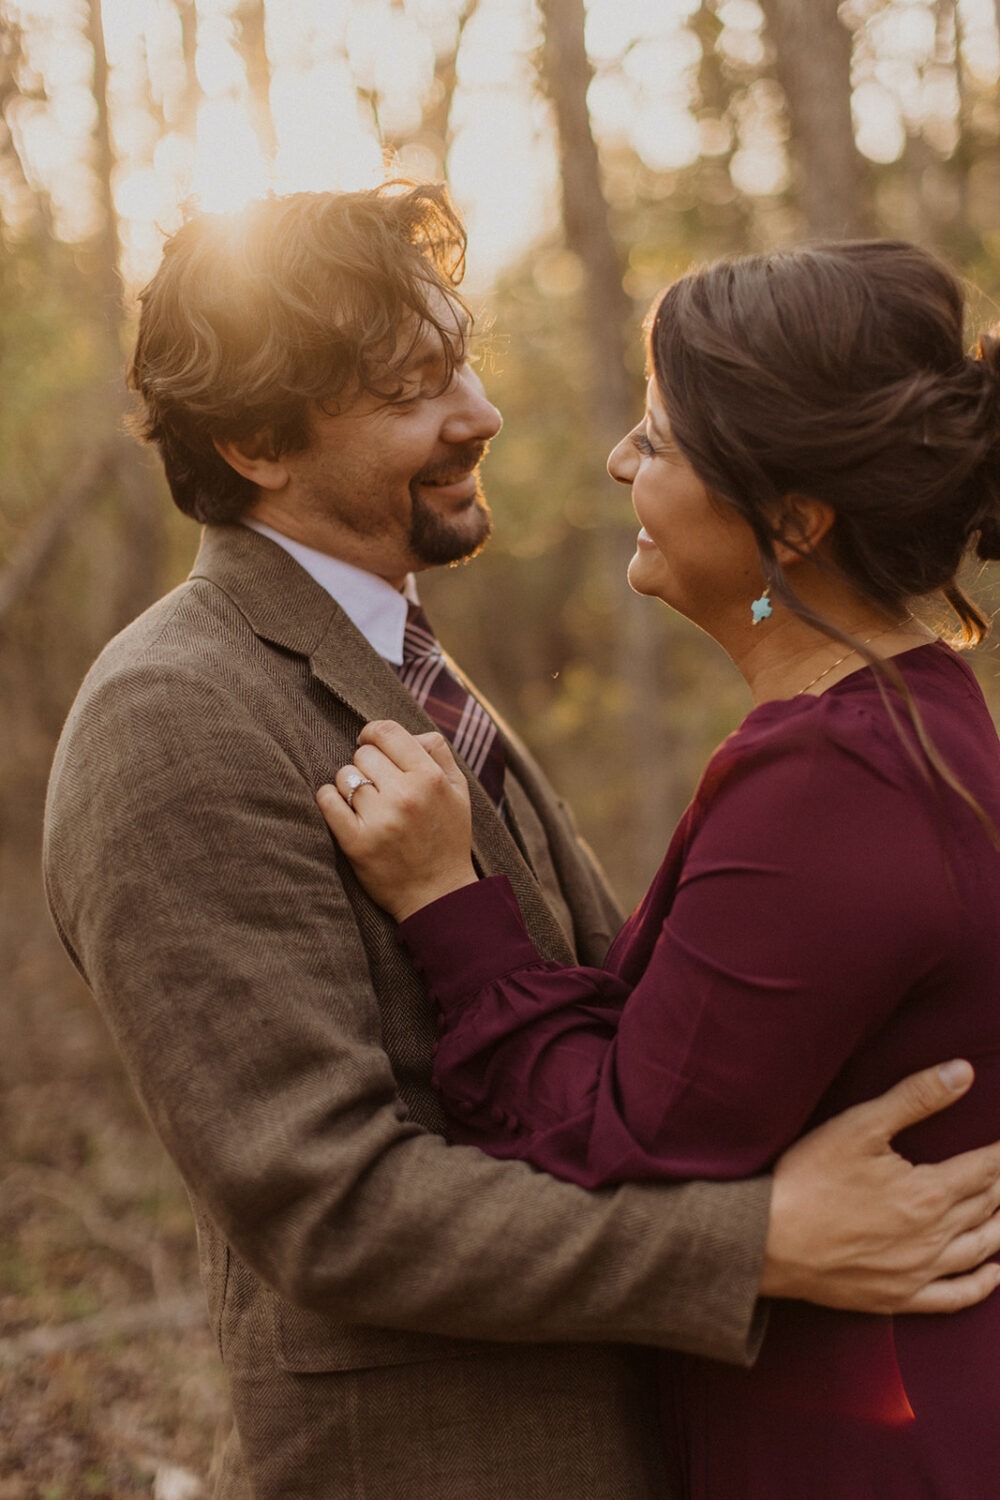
(812, 898)
(196, 887)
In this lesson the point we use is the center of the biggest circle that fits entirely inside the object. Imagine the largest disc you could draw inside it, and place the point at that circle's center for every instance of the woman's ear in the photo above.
(250, 457)
(801, 523)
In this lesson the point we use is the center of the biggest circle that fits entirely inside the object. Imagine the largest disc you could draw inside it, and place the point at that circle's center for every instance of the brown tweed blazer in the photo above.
(397, 1316)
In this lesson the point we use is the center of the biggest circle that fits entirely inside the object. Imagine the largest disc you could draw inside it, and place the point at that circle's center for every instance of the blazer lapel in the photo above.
(285, 606)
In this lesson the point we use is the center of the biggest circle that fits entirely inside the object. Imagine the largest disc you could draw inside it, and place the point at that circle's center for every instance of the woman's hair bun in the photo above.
(987, 525)
(988, 538)
(989, 354)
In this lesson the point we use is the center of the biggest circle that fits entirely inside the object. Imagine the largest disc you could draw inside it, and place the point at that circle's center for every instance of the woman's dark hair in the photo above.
(839, 371)
(255, 318)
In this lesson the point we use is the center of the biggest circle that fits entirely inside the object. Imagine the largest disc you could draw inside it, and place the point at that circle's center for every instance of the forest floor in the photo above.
(110, 1380)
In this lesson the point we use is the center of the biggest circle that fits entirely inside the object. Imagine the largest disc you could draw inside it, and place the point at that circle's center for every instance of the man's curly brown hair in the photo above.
(255, 318)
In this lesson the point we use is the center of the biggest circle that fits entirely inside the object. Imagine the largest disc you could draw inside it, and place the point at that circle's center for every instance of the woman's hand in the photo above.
(401, 814)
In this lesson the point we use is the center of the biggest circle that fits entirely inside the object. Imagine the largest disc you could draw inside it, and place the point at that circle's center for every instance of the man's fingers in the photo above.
(970, 1248)
(953, 1293)
(967, 1186)
(913, 1099)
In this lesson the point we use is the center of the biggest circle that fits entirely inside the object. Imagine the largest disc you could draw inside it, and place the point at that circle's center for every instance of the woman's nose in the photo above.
(622, 461)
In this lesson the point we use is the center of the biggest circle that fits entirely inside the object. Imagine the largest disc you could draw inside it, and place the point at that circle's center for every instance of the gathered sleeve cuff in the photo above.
(466, 940)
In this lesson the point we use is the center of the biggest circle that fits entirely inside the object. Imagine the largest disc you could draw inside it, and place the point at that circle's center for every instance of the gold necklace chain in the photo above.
(853, 652)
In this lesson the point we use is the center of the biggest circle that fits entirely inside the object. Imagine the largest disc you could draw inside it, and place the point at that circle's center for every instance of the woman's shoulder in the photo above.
(861, 724)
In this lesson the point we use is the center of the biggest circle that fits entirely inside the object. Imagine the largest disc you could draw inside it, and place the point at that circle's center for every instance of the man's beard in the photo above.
(437, 539)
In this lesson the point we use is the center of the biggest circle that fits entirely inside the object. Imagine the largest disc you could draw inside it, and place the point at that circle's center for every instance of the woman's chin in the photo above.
(641, 578)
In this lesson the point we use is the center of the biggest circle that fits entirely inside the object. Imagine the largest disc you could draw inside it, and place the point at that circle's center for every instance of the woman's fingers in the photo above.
(342, 801)
(400, 812)
(441, 753)
(338, 816)
(409, 752)
(403, 768)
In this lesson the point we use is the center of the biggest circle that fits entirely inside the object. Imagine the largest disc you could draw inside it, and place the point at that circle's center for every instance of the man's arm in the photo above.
(196, 884)
(854, 1225)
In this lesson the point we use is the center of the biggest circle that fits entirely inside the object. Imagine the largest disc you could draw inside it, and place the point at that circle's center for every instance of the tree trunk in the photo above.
(251, 21)
(434, 131)
(187, 10)
(11, 64)
(39, 545)
(566, 76)
(139, 526)
(813, 66)
(637, 647)
(436, 128)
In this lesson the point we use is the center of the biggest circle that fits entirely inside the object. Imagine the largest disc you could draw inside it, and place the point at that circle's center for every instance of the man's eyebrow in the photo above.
(428, 349)
(425, 355)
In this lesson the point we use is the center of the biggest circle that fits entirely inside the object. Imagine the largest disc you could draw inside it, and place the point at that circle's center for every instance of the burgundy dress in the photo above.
(827, 919)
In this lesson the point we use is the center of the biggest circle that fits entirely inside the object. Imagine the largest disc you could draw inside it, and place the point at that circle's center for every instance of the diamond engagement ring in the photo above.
(355, 780)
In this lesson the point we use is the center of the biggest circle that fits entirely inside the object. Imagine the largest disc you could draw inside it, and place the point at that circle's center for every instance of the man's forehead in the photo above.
(419, 345)
(420, 340)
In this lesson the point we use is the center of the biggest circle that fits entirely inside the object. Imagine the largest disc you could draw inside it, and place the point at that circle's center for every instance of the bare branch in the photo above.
(35, 550)
(134, 1321)
(251, 22)
(812, 47)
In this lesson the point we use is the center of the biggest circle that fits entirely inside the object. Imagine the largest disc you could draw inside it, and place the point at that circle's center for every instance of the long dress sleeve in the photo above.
(825, 921)
(804, 895)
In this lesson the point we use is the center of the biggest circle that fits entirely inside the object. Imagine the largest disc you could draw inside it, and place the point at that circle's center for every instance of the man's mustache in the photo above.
(458, 463)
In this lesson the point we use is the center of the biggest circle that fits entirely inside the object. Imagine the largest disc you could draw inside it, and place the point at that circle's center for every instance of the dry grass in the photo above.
(110, 1381)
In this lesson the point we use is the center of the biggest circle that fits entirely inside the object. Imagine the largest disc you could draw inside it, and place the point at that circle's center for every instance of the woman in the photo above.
(817, 455)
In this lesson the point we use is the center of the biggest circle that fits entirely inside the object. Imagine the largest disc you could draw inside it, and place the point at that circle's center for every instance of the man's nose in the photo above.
(472, 417)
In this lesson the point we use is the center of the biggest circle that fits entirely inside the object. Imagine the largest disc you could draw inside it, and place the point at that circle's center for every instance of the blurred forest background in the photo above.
(597, 150)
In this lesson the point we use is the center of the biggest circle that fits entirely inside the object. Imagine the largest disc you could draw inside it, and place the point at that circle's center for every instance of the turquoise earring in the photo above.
(761, 608)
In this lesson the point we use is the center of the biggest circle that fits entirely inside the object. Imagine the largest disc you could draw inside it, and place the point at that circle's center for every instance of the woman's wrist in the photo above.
(440, 883)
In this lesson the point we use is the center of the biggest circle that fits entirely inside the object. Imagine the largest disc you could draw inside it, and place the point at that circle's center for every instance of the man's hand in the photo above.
(854, 1225)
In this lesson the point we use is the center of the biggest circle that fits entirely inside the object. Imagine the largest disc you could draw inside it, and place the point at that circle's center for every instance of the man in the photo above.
(397, 1316)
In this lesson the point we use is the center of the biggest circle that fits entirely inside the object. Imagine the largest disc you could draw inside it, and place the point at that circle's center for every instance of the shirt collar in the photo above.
(374, 606)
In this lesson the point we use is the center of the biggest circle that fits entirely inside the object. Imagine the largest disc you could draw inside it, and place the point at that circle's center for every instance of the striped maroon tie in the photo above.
(460, 718)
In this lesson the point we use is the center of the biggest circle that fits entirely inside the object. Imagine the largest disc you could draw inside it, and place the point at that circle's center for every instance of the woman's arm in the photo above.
(807, 905)
(852, 1224)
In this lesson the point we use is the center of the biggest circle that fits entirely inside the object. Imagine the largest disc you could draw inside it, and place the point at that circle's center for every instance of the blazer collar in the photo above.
(286, 607)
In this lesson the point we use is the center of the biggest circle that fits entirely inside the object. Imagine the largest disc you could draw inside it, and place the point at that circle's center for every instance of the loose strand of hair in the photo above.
(920, 747)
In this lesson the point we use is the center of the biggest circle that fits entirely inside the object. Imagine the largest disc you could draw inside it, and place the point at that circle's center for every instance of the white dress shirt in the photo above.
(374, 606)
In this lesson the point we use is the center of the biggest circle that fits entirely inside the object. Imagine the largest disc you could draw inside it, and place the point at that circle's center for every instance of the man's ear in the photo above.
(801, 524)
(250, 458)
